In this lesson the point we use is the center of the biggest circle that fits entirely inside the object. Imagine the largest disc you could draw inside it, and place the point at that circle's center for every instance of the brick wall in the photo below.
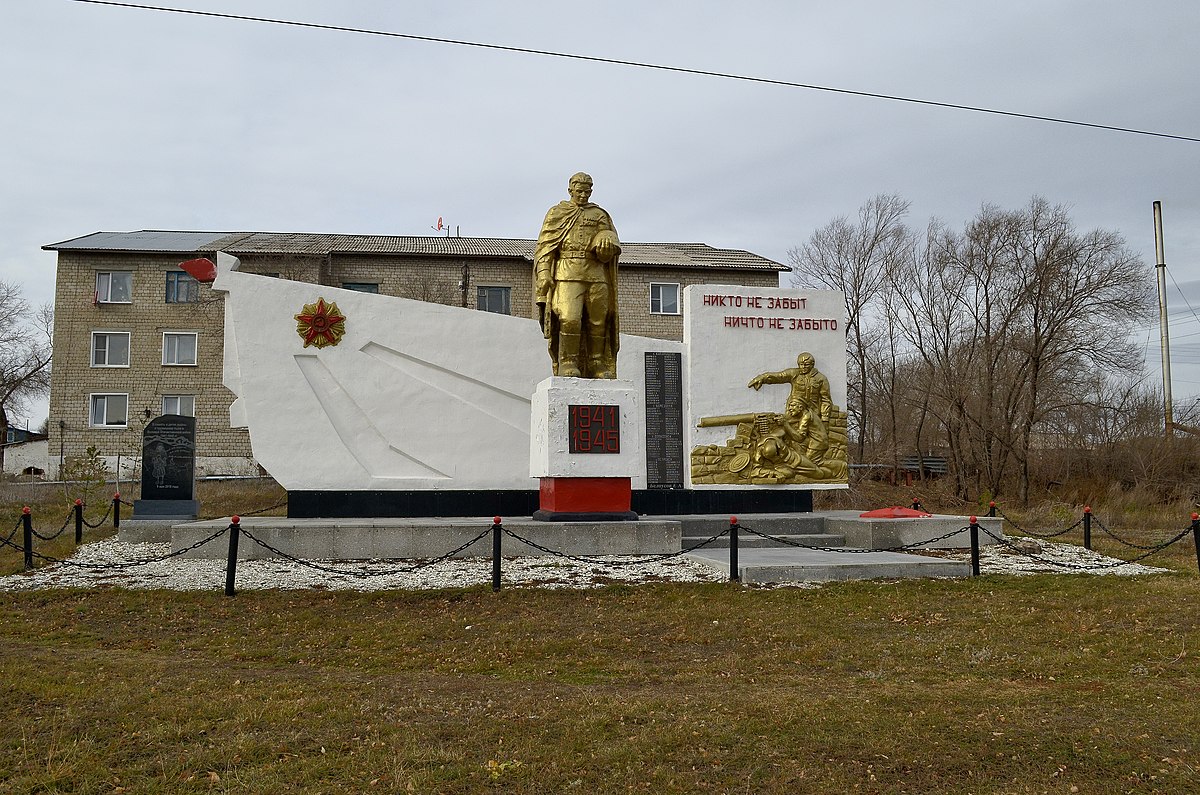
(146, 380)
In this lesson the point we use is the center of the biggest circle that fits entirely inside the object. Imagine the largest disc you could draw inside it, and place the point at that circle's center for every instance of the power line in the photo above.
(643, 65)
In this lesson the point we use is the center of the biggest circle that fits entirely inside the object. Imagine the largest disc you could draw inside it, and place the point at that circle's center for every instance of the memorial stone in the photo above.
(168, 469)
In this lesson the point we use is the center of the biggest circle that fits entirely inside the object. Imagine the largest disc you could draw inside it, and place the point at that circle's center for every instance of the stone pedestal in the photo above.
(586, 447)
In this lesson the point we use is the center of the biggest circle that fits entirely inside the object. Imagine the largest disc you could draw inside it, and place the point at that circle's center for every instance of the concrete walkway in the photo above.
(759, 565)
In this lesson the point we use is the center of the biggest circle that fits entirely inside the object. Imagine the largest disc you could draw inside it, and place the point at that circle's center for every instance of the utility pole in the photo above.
(1165, 338)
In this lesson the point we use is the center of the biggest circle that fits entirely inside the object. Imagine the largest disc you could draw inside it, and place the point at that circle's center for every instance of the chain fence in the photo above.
(57, 533)
(1033, 533)
(102, 519)
(124, 564)
(1152, 550)
(857, 550)
(364, 573)
(609, 560)
(13, 534)
(373, 567)
(1120, 540)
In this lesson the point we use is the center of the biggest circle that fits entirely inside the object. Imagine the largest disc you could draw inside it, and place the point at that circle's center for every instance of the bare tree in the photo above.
(1012, 318)
(855, 258)
(25, 337)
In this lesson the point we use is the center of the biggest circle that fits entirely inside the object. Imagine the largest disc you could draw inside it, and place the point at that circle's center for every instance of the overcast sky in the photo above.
(120, 119)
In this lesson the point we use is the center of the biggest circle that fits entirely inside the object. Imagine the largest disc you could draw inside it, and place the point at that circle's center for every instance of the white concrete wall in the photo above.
(734, 333)
(416, 396)
(27, 454)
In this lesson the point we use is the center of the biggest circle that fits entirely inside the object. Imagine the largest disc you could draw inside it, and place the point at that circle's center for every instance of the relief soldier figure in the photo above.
(575, 285)
(809, 386)
(806, 443)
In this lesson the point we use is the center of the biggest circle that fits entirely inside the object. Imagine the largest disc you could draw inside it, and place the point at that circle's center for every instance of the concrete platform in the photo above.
(147, 531)
(889, 533)
(760, 566)
(387, 539)
(760, 560)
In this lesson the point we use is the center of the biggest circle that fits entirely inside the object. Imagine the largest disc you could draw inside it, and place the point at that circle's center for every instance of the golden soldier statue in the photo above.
(575, 285)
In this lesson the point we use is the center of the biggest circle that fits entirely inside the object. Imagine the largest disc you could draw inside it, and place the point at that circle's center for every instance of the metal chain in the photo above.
(1028, 532)
(102, 519)
(1120, 540)
(608, 561)
(268, 508)
(13, 534)
(363, 574)
(125, 564)
(852, 550)
(66, 522)
(1080, 567)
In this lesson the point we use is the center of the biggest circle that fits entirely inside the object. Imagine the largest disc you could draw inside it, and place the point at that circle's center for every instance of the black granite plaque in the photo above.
(169, 458)
(664, 420)
(594, 429)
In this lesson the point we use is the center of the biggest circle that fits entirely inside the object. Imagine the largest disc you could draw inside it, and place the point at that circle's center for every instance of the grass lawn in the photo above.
(1019, 684)
(1048, 683)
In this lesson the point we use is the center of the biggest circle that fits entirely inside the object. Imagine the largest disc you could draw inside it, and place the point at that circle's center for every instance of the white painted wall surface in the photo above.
(27, 454)
(734, 333)
(549, 453)
(416, 396)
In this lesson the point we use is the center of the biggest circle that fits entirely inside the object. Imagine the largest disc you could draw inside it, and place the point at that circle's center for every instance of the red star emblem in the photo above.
(321, 324)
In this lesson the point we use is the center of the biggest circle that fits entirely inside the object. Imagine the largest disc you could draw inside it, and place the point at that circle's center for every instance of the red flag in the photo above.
(439, 223)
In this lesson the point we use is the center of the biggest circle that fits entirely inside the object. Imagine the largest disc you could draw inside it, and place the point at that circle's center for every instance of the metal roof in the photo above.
(677, 255)
(145, 240)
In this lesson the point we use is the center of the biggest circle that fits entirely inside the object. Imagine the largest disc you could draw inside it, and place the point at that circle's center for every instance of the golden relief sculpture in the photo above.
(575, 285)
(804, 444)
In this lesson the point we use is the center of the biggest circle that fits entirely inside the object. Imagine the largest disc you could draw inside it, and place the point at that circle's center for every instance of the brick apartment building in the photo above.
(135, 337)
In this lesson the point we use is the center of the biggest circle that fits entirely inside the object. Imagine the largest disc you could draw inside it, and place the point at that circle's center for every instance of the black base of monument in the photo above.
(165, 509)
(514, 503)
(586, 516)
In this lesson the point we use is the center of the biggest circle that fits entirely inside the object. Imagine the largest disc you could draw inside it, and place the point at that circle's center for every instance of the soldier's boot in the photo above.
(568, 355)
(598, 364)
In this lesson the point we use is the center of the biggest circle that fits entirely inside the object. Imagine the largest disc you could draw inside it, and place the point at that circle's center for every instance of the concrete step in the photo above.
(776, 524)
(761, 566)
(751, 541)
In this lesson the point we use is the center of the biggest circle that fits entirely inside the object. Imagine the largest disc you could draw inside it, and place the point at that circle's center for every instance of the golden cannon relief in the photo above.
(806, 443)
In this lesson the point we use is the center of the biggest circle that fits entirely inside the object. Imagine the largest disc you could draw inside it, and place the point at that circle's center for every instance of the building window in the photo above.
(109, 411)
(494, 299)
(361, 287)
(182, 288)
(110, 349)
(664, 299)
(114, 287)
(183, 405)
(179, 348)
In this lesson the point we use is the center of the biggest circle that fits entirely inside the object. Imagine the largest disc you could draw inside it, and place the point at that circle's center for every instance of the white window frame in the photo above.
(107, 354)
(104, 295)
(195, 348)
(660, 285)
(508, 297)
(191, 400)
(92, 403)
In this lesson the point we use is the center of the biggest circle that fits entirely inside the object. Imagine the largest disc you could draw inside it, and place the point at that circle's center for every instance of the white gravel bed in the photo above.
(1070, 559)
(541, 572)
(181, 574)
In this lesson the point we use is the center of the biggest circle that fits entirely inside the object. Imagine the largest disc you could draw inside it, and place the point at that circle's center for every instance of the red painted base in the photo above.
(585, 495)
